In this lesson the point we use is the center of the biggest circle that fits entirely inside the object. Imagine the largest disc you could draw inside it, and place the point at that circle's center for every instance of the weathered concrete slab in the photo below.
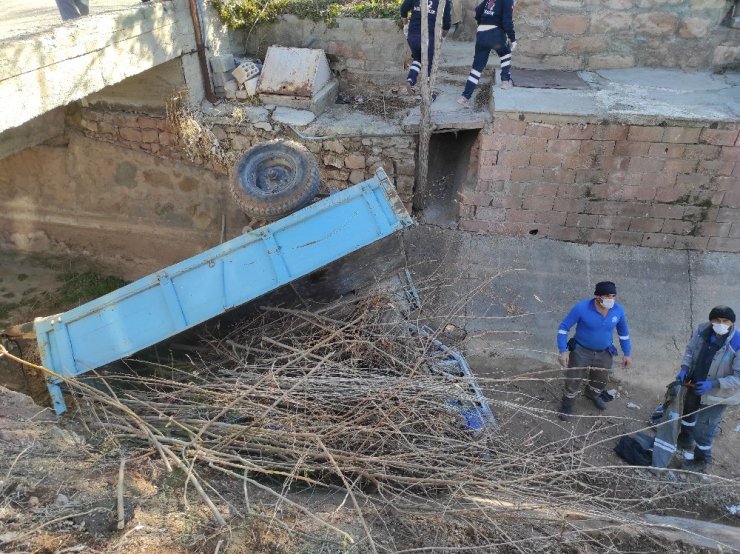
(638, 95)
(147, 91)
(341, 120)
(40, 129)
(550, 79)
(290, 116)
(55, 67)
(447, 114)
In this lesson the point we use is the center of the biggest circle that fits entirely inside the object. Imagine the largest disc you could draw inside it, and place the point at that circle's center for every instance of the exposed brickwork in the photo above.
(341, 162)
(656, 186)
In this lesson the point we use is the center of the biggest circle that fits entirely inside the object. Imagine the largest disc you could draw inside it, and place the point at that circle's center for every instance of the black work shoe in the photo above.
(697, 466)
(566, 410)
(599, 402)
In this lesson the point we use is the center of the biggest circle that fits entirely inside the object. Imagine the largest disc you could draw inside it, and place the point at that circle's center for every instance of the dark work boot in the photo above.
(599, 402)
(698, 466)
(685, 441)
(566, 410)
(596, 398)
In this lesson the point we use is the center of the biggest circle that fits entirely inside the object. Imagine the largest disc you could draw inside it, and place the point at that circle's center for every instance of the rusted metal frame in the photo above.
(201, 50)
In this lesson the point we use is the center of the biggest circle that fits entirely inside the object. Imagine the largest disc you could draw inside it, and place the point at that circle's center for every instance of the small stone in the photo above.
(264, 126)
(290, 116)
(354, 161)
(357, 176)
(632, 406)
(61, 500)
(33, 501)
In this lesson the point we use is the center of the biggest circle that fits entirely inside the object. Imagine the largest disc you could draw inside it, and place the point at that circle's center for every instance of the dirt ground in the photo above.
(537, 386)
(59, 477)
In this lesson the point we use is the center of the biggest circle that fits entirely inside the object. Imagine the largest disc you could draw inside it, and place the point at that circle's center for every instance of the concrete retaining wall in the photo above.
(512, 292)
(359, 50)
(342, 162)
(670, 185)
(123, 189)
(133, 212)
(565, 34)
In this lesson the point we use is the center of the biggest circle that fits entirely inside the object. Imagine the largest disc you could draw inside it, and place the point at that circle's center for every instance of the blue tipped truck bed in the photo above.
(204, 286)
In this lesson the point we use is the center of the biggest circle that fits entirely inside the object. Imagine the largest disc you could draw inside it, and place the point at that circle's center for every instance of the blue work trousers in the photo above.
(72, 9)
(485, 41)
(700, 424)
(414, 40)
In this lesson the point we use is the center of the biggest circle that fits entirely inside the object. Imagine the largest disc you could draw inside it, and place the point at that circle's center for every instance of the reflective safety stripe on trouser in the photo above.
(583, 363)
(414, 41)
(707, 427)
(485, 41)
(506, 67)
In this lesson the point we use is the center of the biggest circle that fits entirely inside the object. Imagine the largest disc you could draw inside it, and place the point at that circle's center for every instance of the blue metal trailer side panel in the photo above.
(190, 292)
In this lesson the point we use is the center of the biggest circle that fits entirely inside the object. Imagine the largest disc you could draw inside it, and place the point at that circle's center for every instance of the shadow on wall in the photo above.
(449, 163)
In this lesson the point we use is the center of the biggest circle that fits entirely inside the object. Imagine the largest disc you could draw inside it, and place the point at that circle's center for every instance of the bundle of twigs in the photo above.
(344, 398)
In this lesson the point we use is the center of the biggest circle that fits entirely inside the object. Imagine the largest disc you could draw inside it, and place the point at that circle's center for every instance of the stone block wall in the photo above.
(565, 34)
(342, 162)
(359, 50)
(606, 34)
(668, 186)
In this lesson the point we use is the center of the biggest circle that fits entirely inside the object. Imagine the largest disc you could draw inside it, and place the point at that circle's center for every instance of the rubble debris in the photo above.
(234, 78)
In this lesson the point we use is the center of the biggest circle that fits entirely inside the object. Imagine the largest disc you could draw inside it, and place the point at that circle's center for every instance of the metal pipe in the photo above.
(201, 49)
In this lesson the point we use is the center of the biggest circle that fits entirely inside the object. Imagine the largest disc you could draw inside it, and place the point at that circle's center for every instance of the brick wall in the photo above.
(648, 185)
(603, 34)
(342, 162)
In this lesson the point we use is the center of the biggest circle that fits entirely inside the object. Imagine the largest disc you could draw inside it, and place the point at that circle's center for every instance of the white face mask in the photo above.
(720, 328)
(608, 303)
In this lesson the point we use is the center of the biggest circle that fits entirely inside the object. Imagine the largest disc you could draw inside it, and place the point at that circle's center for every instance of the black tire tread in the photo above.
(278, 205)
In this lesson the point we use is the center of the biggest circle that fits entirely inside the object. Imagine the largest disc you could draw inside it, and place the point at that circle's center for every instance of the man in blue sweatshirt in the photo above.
(414, 33)
(495, 32)
(591, 349)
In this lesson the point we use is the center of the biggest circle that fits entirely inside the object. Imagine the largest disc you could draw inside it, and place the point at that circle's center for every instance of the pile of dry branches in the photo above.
(342, 398)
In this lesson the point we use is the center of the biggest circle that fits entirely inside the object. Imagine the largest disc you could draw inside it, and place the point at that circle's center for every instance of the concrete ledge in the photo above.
(53, 68)
(642, 96)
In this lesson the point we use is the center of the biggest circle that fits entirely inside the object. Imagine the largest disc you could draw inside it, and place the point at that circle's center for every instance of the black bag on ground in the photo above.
(632, 452)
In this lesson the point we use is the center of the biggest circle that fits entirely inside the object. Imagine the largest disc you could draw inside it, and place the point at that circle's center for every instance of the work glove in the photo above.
(406, 30)
(682, 375)
(703, 387)
(513, 46)
(563, 359)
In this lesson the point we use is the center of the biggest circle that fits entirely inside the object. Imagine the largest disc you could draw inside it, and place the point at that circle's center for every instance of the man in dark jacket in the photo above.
(495, 32)
(711, 371)
(414, 34)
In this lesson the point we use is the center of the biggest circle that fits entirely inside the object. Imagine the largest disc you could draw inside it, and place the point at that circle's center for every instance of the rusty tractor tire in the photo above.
(274, 179)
